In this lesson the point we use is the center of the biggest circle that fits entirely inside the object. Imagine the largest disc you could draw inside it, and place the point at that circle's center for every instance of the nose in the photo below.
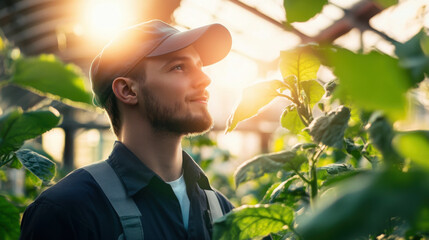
(201, 79)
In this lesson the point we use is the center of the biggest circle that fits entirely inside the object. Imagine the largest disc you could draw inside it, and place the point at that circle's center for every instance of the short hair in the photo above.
(111, 103)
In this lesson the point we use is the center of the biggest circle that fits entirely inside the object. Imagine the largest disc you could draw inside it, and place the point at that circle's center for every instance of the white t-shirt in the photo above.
(179, 188)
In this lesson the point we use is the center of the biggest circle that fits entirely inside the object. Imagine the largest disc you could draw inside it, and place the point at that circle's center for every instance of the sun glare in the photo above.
(104, 18)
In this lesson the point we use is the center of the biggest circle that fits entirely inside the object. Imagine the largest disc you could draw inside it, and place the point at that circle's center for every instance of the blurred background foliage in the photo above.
(41, 75)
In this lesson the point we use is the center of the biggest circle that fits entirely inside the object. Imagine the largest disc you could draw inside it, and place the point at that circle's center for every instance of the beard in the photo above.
(171, 118)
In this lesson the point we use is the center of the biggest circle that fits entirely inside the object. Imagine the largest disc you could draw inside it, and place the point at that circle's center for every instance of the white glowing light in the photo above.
(104, 18)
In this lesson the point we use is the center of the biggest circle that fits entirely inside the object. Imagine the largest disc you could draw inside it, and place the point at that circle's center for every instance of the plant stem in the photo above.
(301, 176)
(302, 119)
(317, 154)
(286, 96)
(313, 183)
(313, 174)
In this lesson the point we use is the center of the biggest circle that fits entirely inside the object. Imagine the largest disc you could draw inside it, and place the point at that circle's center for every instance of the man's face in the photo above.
(174, 93)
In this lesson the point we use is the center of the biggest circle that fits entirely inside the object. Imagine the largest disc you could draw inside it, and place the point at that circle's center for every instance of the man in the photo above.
(150, 81)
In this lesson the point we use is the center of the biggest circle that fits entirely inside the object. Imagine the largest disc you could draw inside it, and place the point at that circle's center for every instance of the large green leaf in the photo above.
(329, 129)
(254, 98)
(291, 120)
(48, 75)
(373, 81)
(415, 146)
(37, 164)
(17, 126)
(314, 91)
(7, 121)
(299, 62)
(266, 163)
(365, 205)
(9, 220)
(412, 57)
(253, 221)
(302, 10)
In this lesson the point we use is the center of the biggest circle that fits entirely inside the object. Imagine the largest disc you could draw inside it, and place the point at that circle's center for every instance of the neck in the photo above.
(158, 150)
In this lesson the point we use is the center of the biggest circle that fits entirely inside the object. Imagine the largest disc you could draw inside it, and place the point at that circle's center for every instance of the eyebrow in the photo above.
(181, 58)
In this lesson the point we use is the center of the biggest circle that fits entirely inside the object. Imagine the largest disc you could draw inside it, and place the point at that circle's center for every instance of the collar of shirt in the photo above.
(135, 175)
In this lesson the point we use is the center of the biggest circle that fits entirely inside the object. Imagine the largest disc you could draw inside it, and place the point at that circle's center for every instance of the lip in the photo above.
(201, 98)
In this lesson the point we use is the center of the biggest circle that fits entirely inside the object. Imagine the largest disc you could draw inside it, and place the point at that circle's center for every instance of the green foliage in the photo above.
(381, 134)
(387, 3)
(329, 129)
(331, 180)
(313, 90)
(291, 120)
(353, 149)
(300, 63)
(413, 56)
(37, 164)
(268, 194)
(424, 42)
(299, 70)
(332, 190)
(365, 78)
(267, 163)
(2, 45)
(330, 87)
(415, 146)
(254, 98)
(365, 205)
(9, 220)
(48, 75)
(291, 192)
(198, 141)
(17, 126)
(302, 10)
(253, 221)
(333, 169)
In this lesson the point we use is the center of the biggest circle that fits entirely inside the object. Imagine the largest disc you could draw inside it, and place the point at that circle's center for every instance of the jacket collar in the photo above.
(135, 175)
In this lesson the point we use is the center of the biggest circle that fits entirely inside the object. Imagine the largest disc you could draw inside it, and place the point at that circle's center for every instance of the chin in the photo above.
(196, 126)
(188, 125)
(197, 133)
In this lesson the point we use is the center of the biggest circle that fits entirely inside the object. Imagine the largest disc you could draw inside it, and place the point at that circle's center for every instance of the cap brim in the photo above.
(212, 42)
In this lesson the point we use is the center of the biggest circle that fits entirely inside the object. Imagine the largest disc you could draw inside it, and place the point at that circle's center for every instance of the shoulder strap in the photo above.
(214, 205)
(124, 206)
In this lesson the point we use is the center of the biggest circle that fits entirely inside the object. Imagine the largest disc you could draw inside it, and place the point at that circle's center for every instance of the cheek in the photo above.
(174, 94)
(169, 88)
(175, 90)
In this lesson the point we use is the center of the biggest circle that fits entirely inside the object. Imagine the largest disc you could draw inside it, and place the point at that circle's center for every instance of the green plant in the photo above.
(352, 176)
(48, 76)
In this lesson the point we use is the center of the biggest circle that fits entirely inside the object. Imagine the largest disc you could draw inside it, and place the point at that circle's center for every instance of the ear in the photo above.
(125, 90)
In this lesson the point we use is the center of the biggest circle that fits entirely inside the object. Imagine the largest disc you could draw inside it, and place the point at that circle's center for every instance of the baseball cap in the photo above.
(150, 39)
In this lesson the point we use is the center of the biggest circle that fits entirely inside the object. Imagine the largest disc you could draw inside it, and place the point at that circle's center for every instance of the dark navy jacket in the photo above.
(76, 207)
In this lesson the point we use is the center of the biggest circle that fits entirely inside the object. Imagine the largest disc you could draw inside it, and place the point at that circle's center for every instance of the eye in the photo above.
(179, 67)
